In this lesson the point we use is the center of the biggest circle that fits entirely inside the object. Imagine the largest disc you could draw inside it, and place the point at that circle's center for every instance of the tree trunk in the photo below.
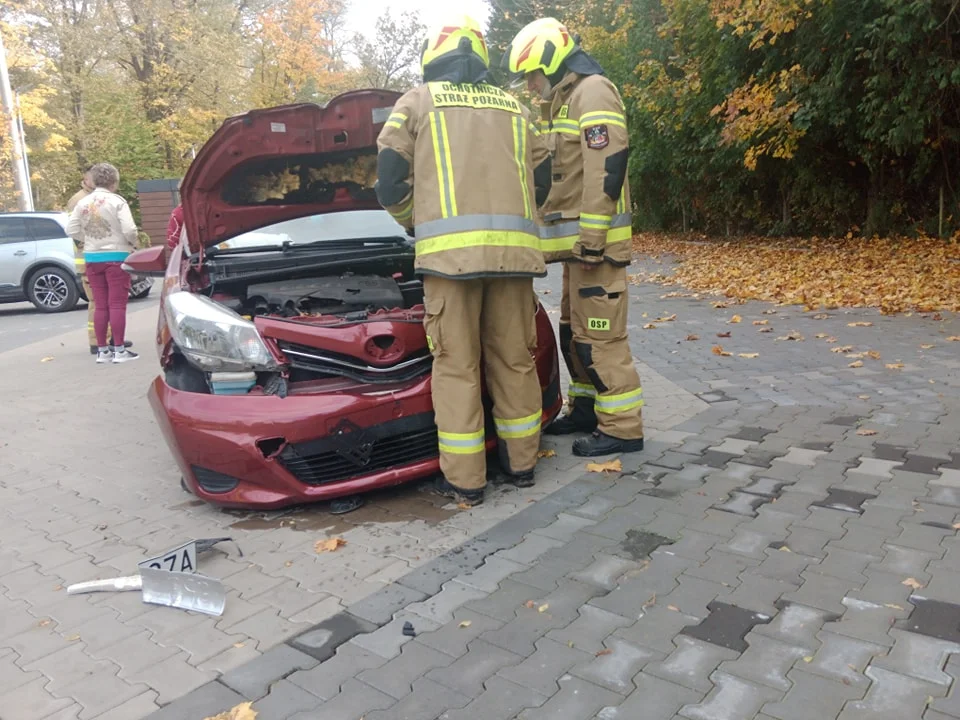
(878, 214)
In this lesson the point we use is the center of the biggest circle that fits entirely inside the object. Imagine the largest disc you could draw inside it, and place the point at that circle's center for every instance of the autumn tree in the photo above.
(391, 58)
(293, 55)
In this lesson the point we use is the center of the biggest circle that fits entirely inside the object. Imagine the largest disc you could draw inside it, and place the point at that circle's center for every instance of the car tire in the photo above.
(142, 294)
(52, 290)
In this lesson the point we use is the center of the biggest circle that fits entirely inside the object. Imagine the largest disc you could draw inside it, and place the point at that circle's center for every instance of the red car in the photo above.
(294, 363)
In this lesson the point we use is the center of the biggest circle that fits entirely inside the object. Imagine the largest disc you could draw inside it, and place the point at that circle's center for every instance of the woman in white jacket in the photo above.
(103, 225)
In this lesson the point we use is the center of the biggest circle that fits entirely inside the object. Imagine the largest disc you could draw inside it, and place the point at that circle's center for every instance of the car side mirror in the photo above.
(151, 261)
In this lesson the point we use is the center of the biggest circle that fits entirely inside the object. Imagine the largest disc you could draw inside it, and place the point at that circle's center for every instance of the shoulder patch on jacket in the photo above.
(597, 137)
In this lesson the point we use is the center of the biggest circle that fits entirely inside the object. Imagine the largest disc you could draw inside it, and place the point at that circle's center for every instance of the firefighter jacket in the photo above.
(587, 213)
(463, 166)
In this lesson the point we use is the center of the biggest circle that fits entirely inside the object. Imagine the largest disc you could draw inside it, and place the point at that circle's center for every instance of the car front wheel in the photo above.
(52, 290)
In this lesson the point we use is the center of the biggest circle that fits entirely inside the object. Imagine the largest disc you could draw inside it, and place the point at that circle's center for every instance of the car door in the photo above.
(17, 252)
(52, 242)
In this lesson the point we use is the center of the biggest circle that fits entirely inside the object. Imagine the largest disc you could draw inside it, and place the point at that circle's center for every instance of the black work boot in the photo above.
(520, 480)
(93, 349)
(601, 444)
(581, 419)
(445, 488)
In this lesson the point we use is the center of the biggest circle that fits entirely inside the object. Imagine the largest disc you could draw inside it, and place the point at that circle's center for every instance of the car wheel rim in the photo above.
(50, 290)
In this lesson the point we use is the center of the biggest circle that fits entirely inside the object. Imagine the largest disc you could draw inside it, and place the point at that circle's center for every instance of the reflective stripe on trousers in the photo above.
(461, 443)
(624, 402)
(577, 389)
(518, 428)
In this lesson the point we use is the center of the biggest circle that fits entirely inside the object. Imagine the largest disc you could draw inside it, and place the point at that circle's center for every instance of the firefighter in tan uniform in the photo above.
(462, 167)
(587, 225)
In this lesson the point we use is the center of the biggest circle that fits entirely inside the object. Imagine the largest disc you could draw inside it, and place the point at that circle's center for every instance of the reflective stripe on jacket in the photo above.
(459, 164)
(587, 213)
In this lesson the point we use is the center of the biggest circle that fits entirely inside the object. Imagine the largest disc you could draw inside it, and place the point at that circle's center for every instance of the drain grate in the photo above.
(726, 626)
(846, 500)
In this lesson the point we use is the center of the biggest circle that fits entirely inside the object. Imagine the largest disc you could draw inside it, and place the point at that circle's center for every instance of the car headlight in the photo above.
(214, 338)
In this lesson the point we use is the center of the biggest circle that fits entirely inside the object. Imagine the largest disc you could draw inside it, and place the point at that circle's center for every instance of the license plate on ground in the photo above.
(180, 559)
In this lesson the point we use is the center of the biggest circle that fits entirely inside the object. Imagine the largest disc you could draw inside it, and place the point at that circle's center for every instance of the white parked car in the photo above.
(37, 263)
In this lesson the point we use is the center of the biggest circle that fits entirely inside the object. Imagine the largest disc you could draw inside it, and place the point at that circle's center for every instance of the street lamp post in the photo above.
(21, 183)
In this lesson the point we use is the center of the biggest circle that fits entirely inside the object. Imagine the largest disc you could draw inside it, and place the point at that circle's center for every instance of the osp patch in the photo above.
(597, 137)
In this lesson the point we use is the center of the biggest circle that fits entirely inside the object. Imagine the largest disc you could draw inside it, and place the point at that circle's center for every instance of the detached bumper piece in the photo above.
(351, 451)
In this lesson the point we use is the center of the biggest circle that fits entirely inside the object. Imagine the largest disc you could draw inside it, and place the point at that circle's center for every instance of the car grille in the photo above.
(351, 452)
(310, 363)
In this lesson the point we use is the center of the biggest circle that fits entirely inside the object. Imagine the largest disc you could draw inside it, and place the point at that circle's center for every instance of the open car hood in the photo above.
(282, 163)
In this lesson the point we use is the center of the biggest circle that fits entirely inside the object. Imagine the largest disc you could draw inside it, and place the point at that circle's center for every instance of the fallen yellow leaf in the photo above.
(651, 602)
(73, 638)
(530, 604)
(673, 608)
(864, 397)
(784, 548)
(953, 338)
(766, 330)
(547, 453)
(668, 318)
(854, 356)
(44, 623)
(894, 366)
(239, 645)
(462, 506)
(857, 364)
(956, 526)
(47, 359)
(860, 323)
(723, 334)
(761, 322)
(243, 711)
(842, 349)
(866, 432)
(605, 651)
(873, 354)
(821, 316)
(645, 315)
(893, 607)
(543, 608)
(792, 336)
(721, 305)
(612, 466)
(692, 338)
(926, 347)
(831, 340)
(913, 583)
(466, 624)
(288, 563)
(330, 545)
(821, 336)
(749, 356)
(735, 319)
(718, 350)
(808, 659)
(649, 326)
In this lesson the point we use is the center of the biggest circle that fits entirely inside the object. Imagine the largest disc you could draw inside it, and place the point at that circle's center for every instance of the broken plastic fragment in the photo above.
(187, 591)
(118, 584)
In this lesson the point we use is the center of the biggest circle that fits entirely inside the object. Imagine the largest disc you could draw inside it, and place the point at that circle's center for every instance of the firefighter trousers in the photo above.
(488, 320)
(604, 387)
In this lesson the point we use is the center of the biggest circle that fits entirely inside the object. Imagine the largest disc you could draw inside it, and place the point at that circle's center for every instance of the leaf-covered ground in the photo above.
(894, 274)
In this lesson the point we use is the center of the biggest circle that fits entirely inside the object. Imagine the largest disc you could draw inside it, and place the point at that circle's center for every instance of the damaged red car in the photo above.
(295, 367)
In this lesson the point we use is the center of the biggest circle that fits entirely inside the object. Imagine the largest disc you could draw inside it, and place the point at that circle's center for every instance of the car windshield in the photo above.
(328, 227)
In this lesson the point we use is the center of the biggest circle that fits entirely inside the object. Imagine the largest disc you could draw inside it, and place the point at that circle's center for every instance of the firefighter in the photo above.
(462, 167)
(587, 225)
(86, 187)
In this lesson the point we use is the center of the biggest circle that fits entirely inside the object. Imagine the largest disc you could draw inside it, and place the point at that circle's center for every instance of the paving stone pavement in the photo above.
(750, 563)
